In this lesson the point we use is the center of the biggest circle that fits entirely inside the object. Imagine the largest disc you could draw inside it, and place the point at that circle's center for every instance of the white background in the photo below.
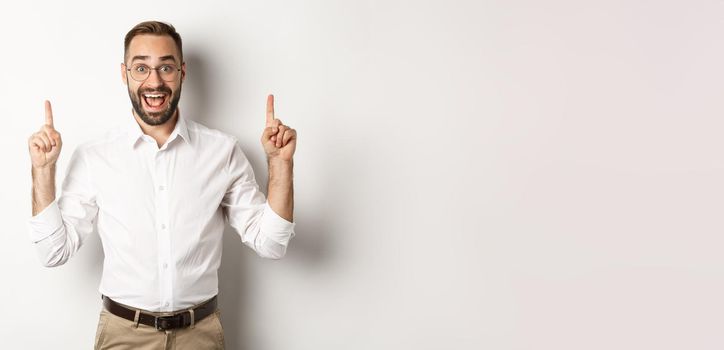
(469, 175)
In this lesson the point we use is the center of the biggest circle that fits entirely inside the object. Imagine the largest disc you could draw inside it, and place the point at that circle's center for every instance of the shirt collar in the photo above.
(135, 132)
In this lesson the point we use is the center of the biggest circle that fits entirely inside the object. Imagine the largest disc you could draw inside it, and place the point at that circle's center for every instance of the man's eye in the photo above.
(166, 68)
(141, 69)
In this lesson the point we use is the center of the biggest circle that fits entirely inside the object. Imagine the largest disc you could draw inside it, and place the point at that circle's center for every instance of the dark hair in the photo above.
(154, 28)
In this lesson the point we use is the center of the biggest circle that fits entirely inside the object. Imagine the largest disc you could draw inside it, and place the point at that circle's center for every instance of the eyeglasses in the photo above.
(141, 72)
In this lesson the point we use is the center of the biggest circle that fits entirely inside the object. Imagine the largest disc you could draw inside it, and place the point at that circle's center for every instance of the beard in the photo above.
(155, 118)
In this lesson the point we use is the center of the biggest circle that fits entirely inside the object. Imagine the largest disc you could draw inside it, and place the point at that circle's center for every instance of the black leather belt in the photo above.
(181, 319)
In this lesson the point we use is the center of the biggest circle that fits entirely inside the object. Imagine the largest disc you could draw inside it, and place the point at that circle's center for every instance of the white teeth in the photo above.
(154, 96)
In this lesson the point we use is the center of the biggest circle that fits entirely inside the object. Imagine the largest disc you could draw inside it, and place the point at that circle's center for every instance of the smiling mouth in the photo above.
(154, 101)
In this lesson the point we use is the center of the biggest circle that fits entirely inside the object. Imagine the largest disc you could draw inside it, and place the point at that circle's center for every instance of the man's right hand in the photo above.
(45, 144)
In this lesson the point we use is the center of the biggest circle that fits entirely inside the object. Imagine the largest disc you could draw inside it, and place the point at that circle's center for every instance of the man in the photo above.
(159, 190)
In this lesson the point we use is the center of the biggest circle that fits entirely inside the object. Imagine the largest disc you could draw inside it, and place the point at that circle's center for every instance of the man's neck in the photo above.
(160, 133)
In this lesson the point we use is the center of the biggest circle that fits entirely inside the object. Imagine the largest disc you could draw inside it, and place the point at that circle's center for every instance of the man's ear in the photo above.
(183, 71)
(124, 77)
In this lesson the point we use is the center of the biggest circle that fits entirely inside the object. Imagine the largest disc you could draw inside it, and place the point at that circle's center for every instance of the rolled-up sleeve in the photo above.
(248, 211)
(60, 229)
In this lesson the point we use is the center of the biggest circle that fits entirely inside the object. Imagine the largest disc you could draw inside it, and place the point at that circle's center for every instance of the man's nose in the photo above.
(154, 78)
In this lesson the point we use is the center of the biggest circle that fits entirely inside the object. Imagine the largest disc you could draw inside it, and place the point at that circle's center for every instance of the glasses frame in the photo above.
(151, 69)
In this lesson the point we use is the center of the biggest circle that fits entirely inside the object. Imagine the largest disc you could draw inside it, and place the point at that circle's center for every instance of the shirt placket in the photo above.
(163, 228)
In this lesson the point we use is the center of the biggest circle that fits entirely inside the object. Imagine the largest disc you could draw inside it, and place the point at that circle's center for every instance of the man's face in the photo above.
(154, 99)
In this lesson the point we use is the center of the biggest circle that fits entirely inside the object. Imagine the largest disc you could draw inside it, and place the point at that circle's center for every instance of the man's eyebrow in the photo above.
(162, 58)
(168, 57)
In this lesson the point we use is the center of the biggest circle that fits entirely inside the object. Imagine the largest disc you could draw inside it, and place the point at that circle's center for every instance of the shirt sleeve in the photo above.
(60, 229)
(248, 211)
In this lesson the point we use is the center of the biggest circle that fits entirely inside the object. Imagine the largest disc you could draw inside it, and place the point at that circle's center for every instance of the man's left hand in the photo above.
(279, 140)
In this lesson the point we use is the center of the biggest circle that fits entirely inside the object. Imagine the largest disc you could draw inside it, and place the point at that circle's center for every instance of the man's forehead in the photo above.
(149, 47)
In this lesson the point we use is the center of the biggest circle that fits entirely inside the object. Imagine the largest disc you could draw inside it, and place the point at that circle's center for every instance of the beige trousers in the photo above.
(117, 333)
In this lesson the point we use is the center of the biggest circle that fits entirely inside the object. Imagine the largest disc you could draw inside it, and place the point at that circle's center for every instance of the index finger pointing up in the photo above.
(48, 114)
(269, 110)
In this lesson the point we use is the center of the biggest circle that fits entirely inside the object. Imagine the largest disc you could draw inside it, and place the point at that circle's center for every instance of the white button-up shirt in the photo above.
(160, 213)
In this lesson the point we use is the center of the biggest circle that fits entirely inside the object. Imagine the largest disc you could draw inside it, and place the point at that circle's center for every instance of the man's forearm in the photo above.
(43, 192)
(281, 187)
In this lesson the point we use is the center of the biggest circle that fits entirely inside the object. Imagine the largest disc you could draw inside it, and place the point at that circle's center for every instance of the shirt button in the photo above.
(161, 188)
(166, 304)
(163, 227)
(165, 265)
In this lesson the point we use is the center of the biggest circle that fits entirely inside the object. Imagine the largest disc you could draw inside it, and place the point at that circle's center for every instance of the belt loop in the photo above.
(193, 318)
(136, 317)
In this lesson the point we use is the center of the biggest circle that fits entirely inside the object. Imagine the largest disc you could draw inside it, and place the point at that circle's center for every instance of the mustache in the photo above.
(163, 89)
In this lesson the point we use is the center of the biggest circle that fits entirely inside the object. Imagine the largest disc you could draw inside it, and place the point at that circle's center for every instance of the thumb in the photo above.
(269, 132)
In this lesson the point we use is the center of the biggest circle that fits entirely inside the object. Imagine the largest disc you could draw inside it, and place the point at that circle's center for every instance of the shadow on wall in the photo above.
(195, 92)
(307, 248)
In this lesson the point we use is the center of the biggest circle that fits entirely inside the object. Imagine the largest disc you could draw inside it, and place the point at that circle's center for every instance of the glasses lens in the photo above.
(167, 72)
(139, 72)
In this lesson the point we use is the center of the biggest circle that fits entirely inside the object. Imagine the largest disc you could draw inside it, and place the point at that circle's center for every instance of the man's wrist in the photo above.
(43, 170)
(280, 172)
(43, 187)
(279, 161)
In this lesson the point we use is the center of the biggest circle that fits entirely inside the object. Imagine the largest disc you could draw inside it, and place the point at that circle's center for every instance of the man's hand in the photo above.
(44, 147)
(45, 144)
(279, 140)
